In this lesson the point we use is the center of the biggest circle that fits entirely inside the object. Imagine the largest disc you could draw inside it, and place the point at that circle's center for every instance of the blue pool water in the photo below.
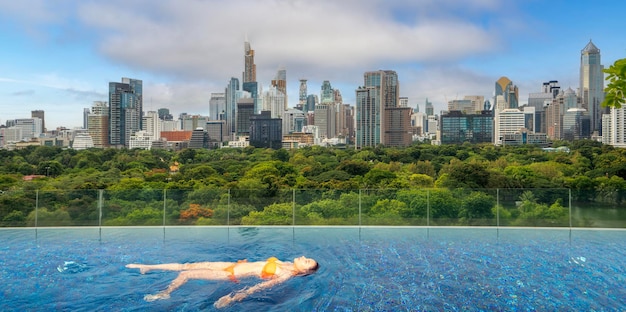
(362, 269)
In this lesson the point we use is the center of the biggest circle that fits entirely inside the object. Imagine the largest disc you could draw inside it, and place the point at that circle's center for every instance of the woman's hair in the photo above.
(311, 270)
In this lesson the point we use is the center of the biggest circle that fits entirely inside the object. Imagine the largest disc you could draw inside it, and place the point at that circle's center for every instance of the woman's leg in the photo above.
(145, 268)
(185, 276)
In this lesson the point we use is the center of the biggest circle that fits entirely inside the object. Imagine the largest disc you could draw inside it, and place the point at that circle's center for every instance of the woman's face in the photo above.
(304, 264)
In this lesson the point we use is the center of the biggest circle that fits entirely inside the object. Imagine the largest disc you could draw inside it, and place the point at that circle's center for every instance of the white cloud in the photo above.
(204, 39)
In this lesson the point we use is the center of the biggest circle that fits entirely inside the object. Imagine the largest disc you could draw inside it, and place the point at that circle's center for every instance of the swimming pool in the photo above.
(361, 268)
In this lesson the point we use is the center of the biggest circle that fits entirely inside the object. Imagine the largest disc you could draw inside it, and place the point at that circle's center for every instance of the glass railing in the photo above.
(560, 208)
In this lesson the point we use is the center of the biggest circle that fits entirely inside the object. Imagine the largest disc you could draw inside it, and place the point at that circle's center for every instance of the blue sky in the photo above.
(60, 55)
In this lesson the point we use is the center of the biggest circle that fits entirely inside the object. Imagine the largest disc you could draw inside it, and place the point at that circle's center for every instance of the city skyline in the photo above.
(64, 54)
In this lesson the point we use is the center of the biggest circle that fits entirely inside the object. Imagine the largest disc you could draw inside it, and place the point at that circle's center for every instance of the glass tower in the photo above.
(592, 84)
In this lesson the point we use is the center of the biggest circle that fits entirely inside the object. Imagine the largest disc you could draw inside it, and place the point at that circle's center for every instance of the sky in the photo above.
(60, 55)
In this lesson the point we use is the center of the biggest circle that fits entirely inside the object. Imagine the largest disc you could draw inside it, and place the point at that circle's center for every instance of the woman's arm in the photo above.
(240, 295)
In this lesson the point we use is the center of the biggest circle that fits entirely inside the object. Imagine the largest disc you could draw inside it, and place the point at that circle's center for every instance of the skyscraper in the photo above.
(380, 91)
(231, 105)
(217, 105)
(98, 124)
(41, 115)
(249, 73)
(510, 92)
(592, 85)
(303, 93)
(280, 83)
(125, 110)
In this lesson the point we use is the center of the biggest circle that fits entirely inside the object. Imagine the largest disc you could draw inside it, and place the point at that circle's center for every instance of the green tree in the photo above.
(615, 90)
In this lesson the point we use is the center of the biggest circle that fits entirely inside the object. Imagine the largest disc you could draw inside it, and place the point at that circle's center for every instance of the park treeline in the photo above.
(420, 184)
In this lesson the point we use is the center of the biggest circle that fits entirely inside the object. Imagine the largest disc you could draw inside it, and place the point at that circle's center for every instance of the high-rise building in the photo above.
(327, 94)
(380, 91)
(614, 127)
(249, 73)
(510, 92)
(576, 124)
(398, 132)
(303, 93)
(125, 111)
(539, 100)
(231, 93)
(457, 127)
(245, 109)
(428, 107)
(293, 121)
(216, 132)
(98, 124)
(311, 101)
(280, 83)
(164, 114)
(507, 121)
(591, 89)
(274, 102)
(152, 125)
(30, 127)
(41, 115)
(217, 105)
(265, 131)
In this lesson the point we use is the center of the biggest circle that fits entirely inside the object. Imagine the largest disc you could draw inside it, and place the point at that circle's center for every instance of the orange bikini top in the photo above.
(269, 270)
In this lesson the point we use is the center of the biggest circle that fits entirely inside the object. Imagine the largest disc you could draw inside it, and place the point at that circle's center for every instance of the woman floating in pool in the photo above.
(272, 270)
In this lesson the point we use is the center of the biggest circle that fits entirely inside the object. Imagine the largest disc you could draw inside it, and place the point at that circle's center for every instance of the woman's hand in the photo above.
(222, 302)
(228, 299)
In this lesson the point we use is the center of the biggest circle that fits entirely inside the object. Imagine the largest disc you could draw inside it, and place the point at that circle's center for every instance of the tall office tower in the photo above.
(217, 104)
(350, 129)
(430, 110)
(152, 125)
(368, 123)
(41, 115)
(592, 85)
(381, 90)
(231, 105)
(539, 100)
(125, 111)
(325, 119)
(303, 93)
(249, 73)
(280, 83)
(340, 119)
(327, 94)
(398, 132)
(311, 101)
(274, 102)
(98, 124)
(86, 112)
(510, 92)
(554, 118)
(164, 114)
(245, 109)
